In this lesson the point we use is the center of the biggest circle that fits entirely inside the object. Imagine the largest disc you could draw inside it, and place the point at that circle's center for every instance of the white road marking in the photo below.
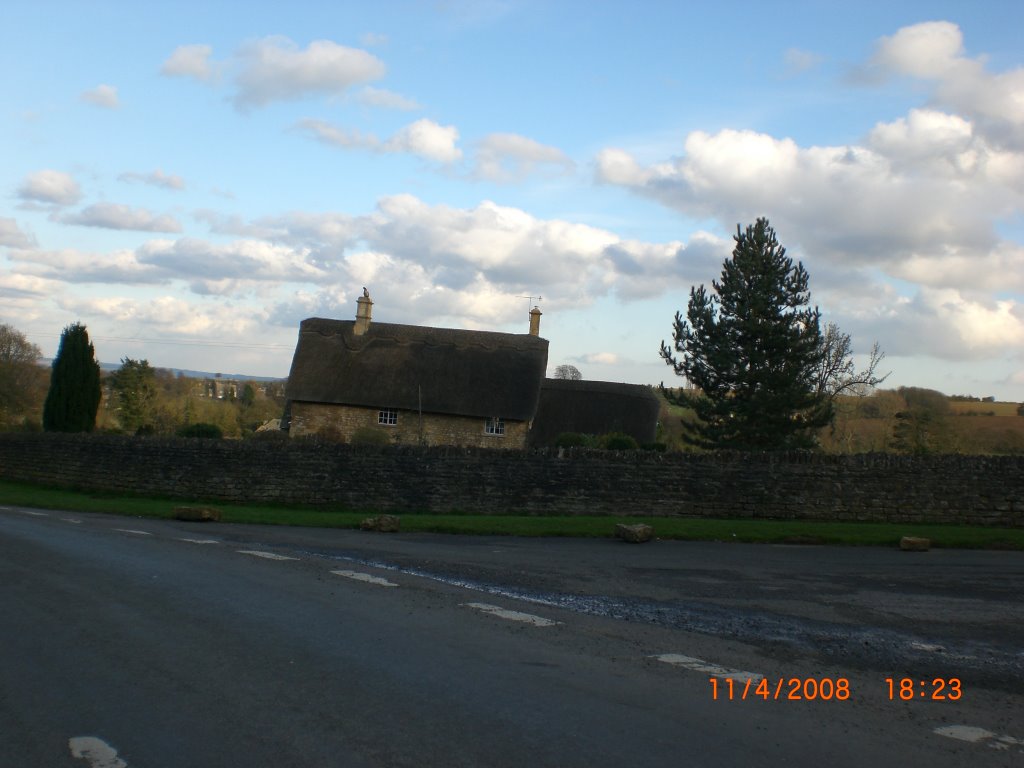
(96, 751)
(266, 555)
(34, 514)
(368, 578)
(528, 618)
(976, 735)
(200, 541)
(699, 665)
(930, 647)
(71, 520)
(132, 530)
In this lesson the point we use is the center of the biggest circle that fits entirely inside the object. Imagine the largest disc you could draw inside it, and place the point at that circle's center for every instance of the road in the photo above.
(132, 643)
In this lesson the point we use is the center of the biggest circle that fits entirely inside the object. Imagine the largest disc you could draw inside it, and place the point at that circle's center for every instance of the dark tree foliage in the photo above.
(135, 385)
(570, 372)
(74, 395)
(750, 352)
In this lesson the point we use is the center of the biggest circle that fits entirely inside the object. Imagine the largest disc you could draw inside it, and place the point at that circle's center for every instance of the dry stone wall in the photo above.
(980, 490)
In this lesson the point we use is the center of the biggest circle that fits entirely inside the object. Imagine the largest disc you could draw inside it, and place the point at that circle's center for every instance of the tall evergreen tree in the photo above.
(750, 352)
(74, 395)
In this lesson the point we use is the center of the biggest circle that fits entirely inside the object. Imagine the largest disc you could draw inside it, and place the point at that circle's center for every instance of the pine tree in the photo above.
(750, 352)
(74, 395)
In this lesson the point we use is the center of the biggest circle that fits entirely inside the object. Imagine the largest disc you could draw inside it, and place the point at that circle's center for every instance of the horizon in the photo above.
(191, 185)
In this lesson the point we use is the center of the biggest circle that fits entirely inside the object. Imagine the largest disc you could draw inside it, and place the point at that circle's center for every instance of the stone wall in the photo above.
(435, 429)
(978, 490)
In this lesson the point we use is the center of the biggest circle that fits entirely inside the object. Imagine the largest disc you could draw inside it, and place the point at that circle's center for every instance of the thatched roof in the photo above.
(595, 408)
(468, 373)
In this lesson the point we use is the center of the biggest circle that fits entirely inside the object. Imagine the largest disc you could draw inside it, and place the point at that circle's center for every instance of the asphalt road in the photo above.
(139, 644)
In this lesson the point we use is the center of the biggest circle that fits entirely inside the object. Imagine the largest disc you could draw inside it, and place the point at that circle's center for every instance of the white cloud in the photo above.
(379, 97)
(155, 178)
(221, 269)
(102, 96)
(275, 69)
(11, 235)
(191, 61)
(114, 216)
(50, 187)
(929, 50)
(424, 138)
(934, 51)
(427, 139)
(76, 267)
(511, 157)
(168, 315)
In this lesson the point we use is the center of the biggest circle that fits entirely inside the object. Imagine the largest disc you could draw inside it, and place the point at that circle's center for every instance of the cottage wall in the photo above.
(410, 429)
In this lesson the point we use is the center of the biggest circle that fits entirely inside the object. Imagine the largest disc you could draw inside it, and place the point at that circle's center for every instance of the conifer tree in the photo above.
(74, 395)
(750, 352)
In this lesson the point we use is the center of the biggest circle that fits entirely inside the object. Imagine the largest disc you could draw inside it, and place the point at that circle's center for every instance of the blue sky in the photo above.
(190, 180)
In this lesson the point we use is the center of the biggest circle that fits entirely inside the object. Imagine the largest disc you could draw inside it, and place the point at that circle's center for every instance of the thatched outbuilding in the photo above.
(595, 408)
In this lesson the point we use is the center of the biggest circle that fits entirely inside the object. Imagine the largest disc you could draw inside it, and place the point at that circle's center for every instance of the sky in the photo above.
(191, 180)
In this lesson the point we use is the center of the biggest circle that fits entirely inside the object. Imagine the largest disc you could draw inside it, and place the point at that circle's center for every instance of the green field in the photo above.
(764, 531)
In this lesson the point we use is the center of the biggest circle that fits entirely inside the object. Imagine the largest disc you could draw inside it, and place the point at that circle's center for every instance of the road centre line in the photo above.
(73, 520)
(34, 514)
(265, 555)
(133, 531)
(365, 577)
(699, 665)
(96, 751)
(200, 541)
(502, 613)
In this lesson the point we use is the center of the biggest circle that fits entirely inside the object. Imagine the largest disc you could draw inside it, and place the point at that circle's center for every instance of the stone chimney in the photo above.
(364, 312)
(535, 321)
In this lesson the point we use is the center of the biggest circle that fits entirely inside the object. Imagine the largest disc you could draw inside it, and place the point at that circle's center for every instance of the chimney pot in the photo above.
(535, 314)
(364, 313)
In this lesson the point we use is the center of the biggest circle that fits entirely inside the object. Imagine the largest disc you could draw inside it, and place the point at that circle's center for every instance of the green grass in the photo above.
(765, 531)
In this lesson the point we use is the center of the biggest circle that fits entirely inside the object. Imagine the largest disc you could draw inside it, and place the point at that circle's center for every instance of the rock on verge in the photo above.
(637, 534)
(197, 514)
(915, 544)
(382, 523)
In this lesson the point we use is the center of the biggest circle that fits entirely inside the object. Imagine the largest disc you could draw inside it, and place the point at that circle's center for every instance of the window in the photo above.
(494, 426)
(387, 416)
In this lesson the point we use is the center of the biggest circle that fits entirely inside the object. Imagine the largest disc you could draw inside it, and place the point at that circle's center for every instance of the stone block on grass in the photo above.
(382, 523)
(637, 534)
(197, 514)
(915, 544)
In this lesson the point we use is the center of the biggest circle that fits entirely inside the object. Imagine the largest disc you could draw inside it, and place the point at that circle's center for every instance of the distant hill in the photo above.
(188, 374)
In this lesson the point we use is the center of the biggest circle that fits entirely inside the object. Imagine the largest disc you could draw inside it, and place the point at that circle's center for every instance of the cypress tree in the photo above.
(74, 395)
(751, 351)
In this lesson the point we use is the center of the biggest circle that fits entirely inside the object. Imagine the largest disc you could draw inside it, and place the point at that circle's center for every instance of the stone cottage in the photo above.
(445, 386)
(419, 385)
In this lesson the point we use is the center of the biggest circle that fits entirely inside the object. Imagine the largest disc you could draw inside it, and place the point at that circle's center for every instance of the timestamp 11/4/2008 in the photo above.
(831, 689)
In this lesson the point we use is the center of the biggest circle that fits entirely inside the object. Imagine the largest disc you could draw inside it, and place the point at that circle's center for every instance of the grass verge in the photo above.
(764, 531)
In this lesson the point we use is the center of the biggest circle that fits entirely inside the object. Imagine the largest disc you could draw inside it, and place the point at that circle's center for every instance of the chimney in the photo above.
(364, 311)
(535, 321)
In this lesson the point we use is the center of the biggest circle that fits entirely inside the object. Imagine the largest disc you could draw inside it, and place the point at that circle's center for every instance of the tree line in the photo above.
(75, 396)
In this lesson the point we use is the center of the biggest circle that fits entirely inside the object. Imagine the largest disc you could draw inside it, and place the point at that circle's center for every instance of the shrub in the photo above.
(618, 441)
(208, 431)
(657, 447)
(574, 440)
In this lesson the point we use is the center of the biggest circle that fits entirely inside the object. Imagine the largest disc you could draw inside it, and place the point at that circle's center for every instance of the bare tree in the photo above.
(570, 372)
(836, 373)
(19, 371)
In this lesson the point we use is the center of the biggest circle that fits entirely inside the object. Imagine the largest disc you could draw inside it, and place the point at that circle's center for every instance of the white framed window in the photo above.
(494, 426)
(387, 417)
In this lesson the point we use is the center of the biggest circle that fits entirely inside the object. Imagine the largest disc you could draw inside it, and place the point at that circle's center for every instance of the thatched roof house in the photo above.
(384, 382)
(595, 408)
(418, 384)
